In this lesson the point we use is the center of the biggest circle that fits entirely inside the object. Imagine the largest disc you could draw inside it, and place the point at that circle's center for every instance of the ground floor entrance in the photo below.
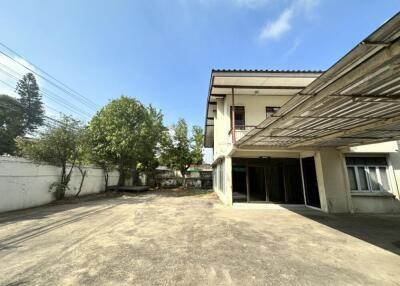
(275, 180)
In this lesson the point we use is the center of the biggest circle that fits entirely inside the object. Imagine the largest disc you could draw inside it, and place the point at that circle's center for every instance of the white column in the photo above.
(228, 180)
(331, 176)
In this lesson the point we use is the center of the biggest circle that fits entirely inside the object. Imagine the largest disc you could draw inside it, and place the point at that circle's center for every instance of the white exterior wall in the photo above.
(255, 113)
(228, 180)
(385, 147)
(221, 129)
(332, 181)
(375, 204)
(254, 105)
(379, 202)
(24, 184)
(335, 195)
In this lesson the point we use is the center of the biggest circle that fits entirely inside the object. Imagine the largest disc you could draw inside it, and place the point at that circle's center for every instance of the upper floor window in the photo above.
(239, 117)
(270, 110)
(368, 174)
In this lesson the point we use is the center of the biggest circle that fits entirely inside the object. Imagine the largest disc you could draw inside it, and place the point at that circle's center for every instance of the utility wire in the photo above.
(90, 102)
(53, 97)
(47, 106)
(48, 121)
(48, 94)
(45, 91)
(53, 78)
(67, 90)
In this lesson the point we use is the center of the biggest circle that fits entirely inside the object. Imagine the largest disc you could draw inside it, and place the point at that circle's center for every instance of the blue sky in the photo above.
(162, 51)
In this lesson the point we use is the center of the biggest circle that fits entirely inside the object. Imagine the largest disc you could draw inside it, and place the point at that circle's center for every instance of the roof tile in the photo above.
(267, 71)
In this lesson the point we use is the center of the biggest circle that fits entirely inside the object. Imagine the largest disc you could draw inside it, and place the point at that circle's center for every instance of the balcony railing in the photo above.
(240, 131)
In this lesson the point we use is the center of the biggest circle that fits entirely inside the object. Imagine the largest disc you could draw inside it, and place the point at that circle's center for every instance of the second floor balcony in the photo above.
(237, 132)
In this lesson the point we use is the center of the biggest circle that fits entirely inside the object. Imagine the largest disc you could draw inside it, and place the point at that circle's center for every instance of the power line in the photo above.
(53, 78)
(47, 80)
(80, 98)
(44, 72)
(47, 121)
(52, 96)
(47, 106)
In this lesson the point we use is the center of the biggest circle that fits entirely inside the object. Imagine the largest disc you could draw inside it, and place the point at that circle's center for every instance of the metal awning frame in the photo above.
(355, 102)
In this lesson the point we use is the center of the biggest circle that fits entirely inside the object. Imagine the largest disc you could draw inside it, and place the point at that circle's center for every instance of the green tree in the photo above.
(179, 151)
(181, 148)
(101, 160)
(11, 123)
(31, 102)
(152, 131)
(197, 144)
(58, 146)
(83, 156)
(125, 133)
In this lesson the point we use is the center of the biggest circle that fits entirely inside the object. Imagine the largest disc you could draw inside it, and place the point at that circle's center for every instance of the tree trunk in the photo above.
(60, 190)
(184, 180)
(121, 179)
(135, 177)
(83, 174)
(105, 179)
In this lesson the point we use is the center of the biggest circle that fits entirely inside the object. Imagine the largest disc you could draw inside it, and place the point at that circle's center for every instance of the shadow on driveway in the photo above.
(382, 230)
(13, 240)
(181, 192)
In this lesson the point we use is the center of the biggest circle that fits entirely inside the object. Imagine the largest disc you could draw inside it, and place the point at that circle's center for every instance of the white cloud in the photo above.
(307, 7)
(251, 3)
(296, 43)
(275, 29)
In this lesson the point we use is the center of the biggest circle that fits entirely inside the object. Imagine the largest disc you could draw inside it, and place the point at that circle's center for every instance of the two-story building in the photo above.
(321, 139)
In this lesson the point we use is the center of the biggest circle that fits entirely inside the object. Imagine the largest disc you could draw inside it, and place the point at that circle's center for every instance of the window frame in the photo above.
(238, 127)
(269, 113)
(368, 169)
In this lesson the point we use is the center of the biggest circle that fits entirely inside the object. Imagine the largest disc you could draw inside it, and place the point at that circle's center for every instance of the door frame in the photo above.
(248, 183)
(304, 185)
(254, 162)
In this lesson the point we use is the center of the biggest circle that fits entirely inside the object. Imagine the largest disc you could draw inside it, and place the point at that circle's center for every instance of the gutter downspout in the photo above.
(233, 118)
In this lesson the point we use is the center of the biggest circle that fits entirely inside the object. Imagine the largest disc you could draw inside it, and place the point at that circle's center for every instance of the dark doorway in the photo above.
(310, 182)
(239, 193)
(257, 184)
(275, 180)
(293, 185)
(275, 183)
(284, 181)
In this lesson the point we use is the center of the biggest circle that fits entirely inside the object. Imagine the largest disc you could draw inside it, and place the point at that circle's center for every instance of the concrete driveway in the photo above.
(182, 238)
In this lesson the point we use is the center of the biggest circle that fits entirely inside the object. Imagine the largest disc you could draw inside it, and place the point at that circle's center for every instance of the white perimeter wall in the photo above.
(24, 184)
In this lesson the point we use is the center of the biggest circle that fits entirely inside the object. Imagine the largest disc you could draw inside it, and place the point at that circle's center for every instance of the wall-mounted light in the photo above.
(264, 157)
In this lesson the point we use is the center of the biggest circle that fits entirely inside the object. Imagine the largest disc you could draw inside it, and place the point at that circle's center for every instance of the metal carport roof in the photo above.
(356, 101)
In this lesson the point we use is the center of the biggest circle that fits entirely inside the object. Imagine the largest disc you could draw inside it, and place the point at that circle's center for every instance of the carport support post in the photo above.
(233, 129)
(228, 180)
(247, 184)
(302, 180)
(331, 180)
(347, 183)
